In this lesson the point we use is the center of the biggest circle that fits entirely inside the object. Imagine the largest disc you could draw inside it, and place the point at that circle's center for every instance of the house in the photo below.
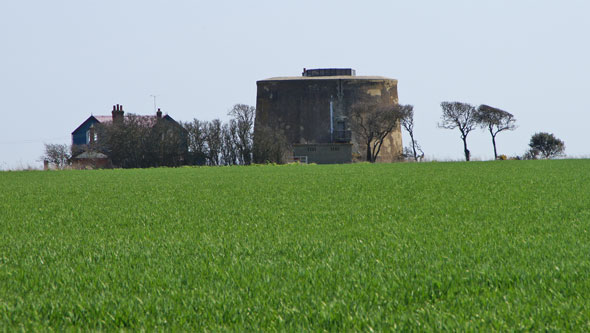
(85, 151)
(85, 134)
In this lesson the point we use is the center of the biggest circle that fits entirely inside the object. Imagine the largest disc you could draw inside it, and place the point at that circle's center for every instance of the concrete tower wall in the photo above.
(306, 108)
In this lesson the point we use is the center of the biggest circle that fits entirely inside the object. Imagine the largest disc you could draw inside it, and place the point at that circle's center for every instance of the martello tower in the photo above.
(313, 111)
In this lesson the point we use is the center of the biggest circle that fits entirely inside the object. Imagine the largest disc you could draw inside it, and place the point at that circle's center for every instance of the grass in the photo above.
(430, 246)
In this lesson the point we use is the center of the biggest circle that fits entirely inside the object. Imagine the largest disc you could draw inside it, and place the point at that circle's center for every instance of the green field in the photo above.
(423, 246)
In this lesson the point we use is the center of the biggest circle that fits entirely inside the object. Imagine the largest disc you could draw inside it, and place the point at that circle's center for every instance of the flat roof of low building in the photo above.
(90, 155)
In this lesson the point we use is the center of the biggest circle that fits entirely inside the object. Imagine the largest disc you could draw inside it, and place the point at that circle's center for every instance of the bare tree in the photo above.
(214, 139)
(407, 120)
(270, 145)
(372, 124)
(496, 121)
(57, 154)
(197, 143)
(217, 143)
(229, 150)
(462, 116)
(244, 118)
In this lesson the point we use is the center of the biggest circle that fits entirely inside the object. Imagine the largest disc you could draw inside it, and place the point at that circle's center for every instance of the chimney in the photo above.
(117, 112)
(159, 114)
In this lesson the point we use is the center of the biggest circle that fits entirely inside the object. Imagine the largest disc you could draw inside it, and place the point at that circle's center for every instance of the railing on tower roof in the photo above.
(329, 72)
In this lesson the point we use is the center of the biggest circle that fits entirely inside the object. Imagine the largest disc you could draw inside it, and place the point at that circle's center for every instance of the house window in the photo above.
(310, 148)
(90, 139)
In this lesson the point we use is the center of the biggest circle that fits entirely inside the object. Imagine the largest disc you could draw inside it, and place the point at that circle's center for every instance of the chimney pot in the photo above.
(117, 112)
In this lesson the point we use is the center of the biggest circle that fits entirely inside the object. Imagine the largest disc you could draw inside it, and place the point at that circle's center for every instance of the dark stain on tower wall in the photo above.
(315, 108)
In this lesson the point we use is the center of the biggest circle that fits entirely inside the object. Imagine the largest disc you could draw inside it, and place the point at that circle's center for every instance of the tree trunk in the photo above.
(467, 153)
(414, 147)
(376, 151)
(369, 154)
(494, 143)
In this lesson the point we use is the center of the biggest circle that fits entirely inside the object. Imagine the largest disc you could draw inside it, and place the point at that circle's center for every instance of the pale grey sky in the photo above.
(64, 60)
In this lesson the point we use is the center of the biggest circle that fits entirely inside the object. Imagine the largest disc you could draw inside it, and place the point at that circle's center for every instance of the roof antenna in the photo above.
(154, 97)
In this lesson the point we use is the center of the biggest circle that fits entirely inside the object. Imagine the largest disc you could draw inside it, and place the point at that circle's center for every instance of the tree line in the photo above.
(466, 118)
(139, 142)
(217, 143)
(372, 124)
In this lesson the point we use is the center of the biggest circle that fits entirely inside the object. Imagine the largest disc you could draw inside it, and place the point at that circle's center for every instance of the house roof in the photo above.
(90, 155)
(150, 119)
(104, 119)
(91, 118)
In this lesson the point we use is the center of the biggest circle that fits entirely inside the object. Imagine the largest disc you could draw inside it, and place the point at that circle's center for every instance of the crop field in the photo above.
(419, 246)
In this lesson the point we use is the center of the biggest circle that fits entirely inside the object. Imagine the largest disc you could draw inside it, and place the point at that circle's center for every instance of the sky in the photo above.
(62, 61)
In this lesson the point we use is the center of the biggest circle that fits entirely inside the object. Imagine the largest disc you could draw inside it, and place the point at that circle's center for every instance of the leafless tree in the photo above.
(496, 121)
(244, 118)
(217, 143)
(372, 124)
(462, 116)
(57, 154)
(270, 145)
(407, 120)
(229, 150)
(214, 139)
(197, 141)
